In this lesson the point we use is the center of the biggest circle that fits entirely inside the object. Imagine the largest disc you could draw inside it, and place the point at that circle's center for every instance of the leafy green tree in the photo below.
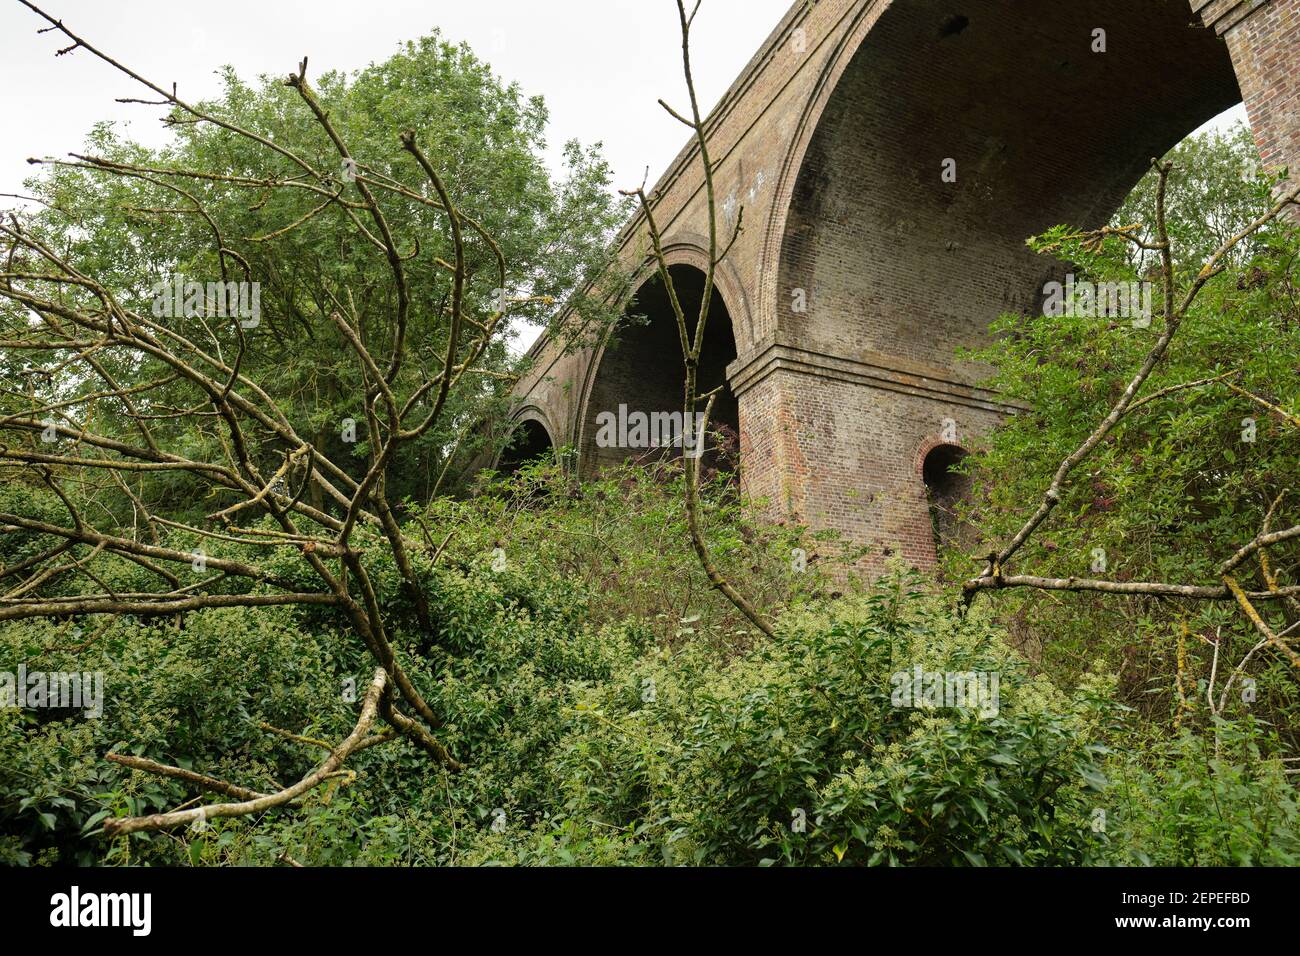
(130, 217)
(1214, 189)
(231, 364)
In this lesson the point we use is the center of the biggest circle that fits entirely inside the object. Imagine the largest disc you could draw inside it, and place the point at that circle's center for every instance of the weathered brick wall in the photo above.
(901, 267)
(1263, 37)
(849, 456)
(833, 141)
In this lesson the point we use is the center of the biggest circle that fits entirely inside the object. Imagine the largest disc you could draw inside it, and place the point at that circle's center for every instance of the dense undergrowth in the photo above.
(611, 709)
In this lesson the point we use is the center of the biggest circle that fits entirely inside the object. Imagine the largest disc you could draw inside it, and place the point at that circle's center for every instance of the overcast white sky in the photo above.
(600, 64)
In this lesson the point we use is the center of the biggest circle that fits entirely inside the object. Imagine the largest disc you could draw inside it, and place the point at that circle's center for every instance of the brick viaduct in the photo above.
(861, 271)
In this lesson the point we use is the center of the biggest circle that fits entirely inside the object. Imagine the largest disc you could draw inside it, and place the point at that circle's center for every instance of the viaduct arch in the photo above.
(863, 268)
(530, 435)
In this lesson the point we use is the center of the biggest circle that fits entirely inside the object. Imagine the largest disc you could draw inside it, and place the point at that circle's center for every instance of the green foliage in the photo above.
(512, 651)
(597, 730)
(1185, 479)
(796, 754)
(190, 693)
(310, 259)
(1213, 191)
(1214, 799)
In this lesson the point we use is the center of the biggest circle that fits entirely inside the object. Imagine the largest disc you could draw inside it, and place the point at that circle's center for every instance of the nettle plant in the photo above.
(175, 454)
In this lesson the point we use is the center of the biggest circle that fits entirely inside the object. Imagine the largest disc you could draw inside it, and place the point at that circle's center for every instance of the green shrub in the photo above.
(611, 709)
(1205, 799)
(795, 753)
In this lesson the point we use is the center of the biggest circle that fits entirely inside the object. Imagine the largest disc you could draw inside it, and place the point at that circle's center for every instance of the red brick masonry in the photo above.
(863, 267)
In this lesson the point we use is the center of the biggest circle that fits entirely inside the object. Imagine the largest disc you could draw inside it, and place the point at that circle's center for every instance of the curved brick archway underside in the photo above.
(901, 267)
(529, 441)
(641, 368)
(861, 271)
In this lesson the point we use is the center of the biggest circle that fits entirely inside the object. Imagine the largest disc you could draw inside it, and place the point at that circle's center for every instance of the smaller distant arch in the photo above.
(945, 488)
(529, 440)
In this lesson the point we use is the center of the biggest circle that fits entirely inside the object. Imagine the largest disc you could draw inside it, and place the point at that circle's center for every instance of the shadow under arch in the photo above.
(1037, 128)
(641, 371)
(945, 489)
(529, 441)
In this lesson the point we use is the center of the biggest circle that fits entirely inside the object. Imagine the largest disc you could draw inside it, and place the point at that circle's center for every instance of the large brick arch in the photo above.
(832, 141)
(1040, 129)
